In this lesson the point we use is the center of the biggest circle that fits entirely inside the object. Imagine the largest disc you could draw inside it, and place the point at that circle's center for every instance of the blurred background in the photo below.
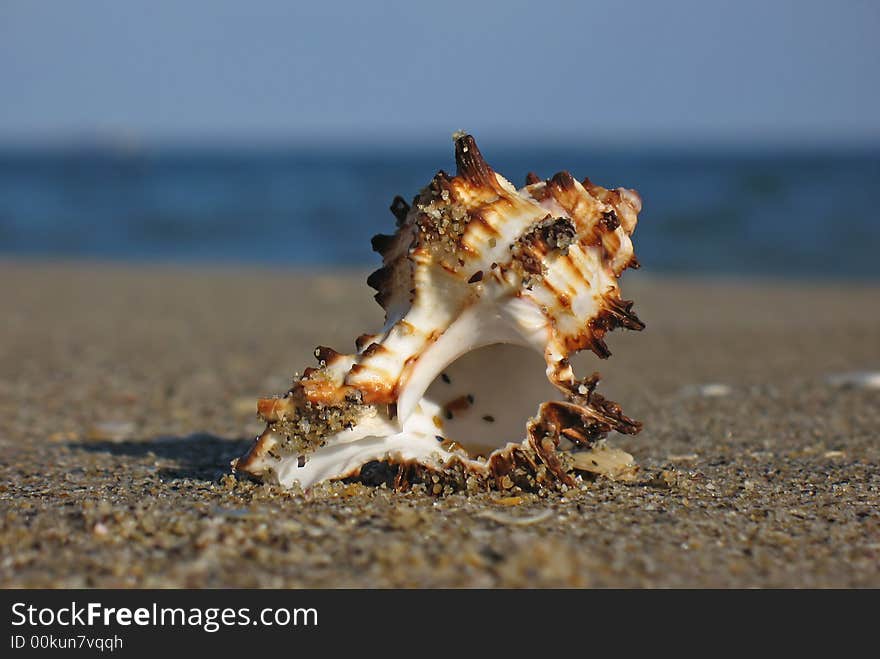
(278, 132)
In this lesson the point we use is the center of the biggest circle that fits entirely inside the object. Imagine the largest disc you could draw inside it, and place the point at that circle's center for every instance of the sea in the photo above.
(793, 214)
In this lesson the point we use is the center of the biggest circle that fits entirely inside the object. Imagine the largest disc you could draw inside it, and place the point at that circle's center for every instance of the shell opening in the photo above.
(484, 399)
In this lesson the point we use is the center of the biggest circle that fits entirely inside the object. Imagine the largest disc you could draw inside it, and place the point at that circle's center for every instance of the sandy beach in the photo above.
(126, 390)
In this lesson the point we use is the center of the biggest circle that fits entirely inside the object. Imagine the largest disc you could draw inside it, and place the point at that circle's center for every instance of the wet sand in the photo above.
(125, 391)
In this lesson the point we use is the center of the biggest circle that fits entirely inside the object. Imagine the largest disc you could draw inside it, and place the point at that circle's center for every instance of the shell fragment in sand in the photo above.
(686, 457)
(855, 380)
(605, 461)
(515, 520)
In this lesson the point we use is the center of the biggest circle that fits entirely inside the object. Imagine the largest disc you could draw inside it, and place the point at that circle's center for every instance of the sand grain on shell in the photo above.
(121, 404)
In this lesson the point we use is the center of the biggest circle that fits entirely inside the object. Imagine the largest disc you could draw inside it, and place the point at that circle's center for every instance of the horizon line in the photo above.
(132, 144)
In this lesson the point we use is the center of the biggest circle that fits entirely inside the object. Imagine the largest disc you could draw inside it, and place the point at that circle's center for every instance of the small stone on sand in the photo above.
(708, 390)
(689, 457)
(111, 431)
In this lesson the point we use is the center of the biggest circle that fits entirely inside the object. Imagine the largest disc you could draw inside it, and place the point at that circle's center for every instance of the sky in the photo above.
(629, 71)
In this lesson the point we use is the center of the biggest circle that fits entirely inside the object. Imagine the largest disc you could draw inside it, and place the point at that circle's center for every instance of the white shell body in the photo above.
(474, 263)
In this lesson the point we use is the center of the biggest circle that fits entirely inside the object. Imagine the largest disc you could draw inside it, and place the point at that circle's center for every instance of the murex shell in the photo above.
(476, 274)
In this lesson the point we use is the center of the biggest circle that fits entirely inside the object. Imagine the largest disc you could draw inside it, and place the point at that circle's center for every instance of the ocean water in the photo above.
(740, 213)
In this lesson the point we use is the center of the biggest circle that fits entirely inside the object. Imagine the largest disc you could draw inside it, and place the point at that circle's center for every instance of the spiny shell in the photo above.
(474, 262)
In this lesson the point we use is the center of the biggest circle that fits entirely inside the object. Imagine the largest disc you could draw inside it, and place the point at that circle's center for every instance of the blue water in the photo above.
(813, 215)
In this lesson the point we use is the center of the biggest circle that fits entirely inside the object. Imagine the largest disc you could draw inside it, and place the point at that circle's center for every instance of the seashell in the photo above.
(487, 291)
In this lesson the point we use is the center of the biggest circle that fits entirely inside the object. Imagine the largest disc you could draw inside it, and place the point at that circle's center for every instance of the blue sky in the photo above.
(628, 71)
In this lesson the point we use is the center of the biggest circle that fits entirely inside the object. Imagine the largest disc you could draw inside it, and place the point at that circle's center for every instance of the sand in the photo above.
(125, 391)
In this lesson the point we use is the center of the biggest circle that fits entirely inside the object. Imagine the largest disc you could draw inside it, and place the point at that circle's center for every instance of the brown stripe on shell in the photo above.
(550, 288)
(326, 355)
(569, 264)
(615, 313)
(477, 216)
(471, 164)
(562, 181)
(363, 340)
(258, 449)
(610, 197)
(611, 242)
(375, 349)
(539, 191)
(627, 203)
(532, 178)
(596, 191)
(275, 409)
(376, 391)
(448, 268)
(609, 237)
(586, 210)
(616, 196)
(411, 361)
(592, 336)
(321, 389)
(604, 232)
(485, 221)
